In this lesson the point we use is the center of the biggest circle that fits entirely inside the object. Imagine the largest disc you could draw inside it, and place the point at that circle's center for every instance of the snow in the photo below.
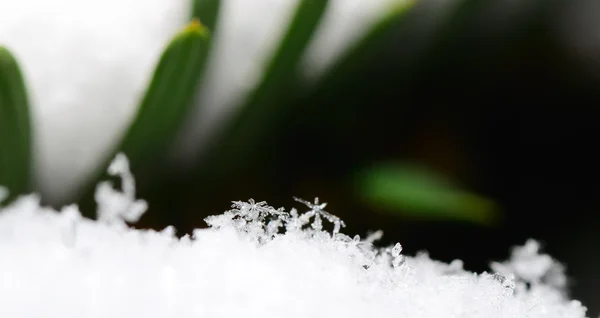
(117, 206)
(253, 261)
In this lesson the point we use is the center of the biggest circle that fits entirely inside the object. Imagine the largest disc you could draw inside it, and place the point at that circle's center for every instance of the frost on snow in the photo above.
(253, 261)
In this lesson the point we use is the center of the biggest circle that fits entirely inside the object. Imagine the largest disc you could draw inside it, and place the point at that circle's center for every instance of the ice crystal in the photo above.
(119, 206)
(532, 268)
(397, 259)
(257, 218)
(317, 212)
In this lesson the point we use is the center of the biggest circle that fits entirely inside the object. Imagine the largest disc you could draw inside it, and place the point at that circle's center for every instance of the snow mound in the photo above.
(253, 261)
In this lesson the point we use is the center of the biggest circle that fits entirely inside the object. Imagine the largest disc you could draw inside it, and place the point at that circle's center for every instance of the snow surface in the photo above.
(253, 261)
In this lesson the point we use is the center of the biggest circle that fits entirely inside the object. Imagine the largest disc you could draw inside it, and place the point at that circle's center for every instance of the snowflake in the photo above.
(257, 218)
(251, 210)
(119, 206)
(316, 211)
(533, 268)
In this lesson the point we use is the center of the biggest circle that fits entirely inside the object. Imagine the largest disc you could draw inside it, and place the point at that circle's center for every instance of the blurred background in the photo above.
(465, 129)
(462, 134)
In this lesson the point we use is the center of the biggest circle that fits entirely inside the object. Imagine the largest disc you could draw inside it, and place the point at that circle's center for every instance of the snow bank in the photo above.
(253, 261)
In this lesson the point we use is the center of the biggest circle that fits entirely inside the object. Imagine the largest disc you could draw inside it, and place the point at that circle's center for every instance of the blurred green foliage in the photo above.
(207, 11)
(15, 127)
(167, 101)
(419, 192)
(168, 98)
(264, 106)
(284, 103)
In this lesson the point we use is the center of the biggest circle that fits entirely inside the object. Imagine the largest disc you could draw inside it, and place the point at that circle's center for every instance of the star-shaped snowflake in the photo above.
(317, 211)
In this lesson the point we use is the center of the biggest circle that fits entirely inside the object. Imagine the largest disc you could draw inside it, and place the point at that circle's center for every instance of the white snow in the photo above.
(117, 206)
(254, 261)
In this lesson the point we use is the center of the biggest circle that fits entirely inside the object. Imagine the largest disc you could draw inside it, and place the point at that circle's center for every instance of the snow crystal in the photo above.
(119, 206)
(86, 64)
(316, 211)
(253, 261)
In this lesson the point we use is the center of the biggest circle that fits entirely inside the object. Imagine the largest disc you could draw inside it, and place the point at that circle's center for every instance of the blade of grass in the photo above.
(167, 100)
(207, 11)
(169, 97)
(15, 127)
(264, 105)
(420, 193)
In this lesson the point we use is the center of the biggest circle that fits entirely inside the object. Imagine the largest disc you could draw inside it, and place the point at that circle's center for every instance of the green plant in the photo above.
(15, 127)
(279, 99)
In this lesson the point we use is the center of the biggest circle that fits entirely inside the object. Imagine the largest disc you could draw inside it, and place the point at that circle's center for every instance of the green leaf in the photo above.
(207, 11)
(418, 192)
(266, 103)
(169, 97)
(15, 127)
